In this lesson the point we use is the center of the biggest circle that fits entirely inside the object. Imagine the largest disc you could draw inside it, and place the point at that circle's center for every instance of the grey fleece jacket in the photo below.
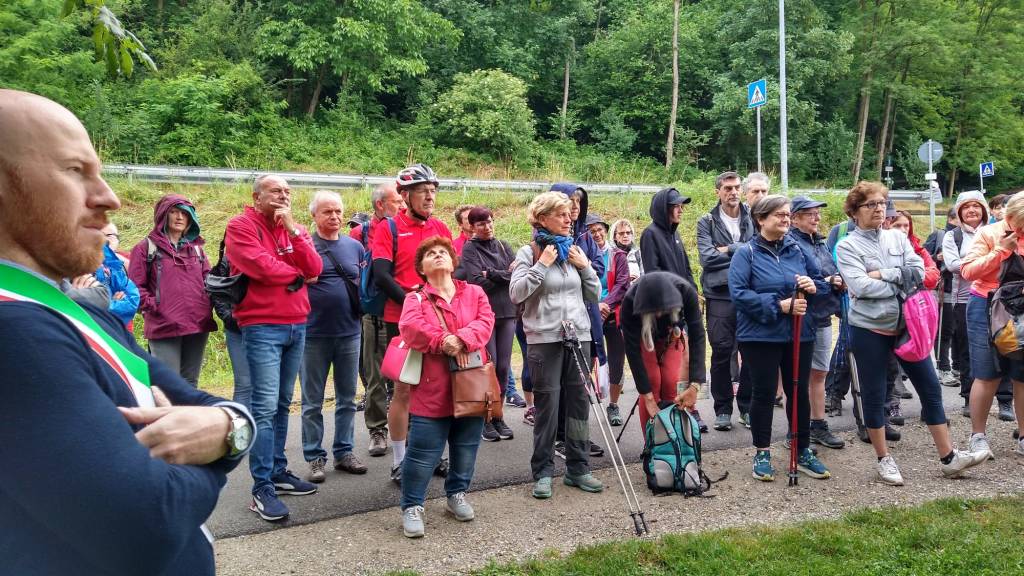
(551, 294)
(873, 303)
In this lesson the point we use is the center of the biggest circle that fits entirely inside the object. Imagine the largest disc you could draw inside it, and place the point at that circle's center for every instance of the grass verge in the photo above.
(949, 536)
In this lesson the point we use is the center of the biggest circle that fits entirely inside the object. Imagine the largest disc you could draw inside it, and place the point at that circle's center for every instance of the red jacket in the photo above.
(272, 259)
(469, 317)
(411, 232)
(460, 242)
(931, 271)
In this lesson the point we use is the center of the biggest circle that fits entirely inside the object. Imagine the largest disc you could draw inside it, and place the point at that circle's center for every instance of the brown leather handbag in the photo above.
(475, 391)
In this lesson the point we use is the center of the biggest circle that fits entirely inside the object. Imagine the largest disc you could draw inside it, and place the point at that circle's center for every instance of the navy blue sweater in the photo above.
(78, 493)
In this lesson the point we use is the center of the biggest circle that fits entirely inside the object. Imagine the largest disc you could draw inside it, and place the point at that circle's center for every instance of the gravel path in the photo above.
(511, 525)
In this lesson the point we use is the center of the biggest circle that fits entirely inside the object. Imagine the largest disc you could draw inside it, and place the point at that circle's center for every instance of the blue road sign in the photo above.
(757, 94)
(988, 169)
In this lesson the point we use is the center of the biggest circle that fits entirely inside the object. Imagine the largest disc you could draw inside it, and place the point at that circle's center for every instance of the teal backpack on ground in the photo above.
(672, 456)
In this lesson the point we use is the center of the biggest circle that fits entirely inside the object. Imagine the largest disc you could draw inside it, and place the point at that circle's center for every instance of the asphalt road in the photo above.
(498, 464)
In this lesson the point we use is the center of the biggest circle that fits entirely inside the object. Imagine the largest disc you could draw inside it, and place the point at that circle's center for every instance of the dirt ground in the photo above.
(510, 525)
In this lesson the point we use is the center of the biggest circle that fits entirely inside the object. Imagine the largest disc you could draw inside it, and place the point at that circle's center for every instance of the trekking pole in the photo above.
(793, 442)
(632, 501)
(626, 423)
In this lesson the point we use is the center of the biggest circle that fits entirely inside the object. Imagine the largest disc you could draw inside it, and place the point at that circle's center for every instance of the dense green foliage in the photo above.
(366, 85)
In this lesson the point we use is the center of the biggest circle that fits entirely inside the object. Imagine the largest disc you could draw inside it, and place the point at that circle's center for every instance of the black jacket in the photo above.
(660, 246)
(494, 257)
(654, 292)
(712, 233)
(826, 303)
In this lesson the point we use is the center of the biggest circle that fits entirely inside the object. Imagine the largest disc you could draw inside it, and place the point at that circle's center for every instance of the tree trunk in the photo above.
(670, 145)
(883, 134)
(565, 85)
(862, 122)
(314, 101)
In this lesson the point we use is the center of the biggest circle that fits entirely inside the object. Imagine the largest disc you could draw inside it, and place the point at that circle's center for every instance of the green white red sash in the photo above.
(17, 285)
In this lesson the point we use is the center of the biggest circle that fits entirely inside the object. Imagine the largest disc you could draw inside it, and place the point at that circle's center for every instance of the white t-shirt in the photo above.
(731, 224)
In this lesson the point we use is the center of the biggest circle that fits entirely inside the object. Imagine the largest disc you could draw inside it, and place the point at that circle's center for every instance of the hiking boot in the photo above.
(896, 415)
(560, 449)
(614, 417)
(266, 503)
(396, 474)
(515, 400)
(763, 470)
(809, 464)
(504, 432)
(441, 469)
(489, 434)
(595, 450)
(820, 434)
(412, 522)
(979, 445)
(700, 421)
(530, 416)
(962, 461)
(745, 420)
(1006, 412)
(786, 444)
(378, 442)
(723, 422)
(892, 434)
(316, 470)
(833, 406)
(287, 483)
(349, 463)
(586, 482)
(458, 507)
(889, 472)
(966, 411)
(542, 488)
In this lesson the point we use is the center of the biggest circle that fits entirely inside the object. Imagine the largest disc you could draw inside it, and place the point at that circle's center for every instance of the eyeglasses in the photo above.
(624, 233)
(782, 215)
(873, 205)
(811, 213)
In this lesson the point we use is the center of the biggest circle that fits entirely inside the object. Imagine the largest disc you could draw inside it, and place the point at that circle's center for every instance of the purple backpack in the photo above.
(919, 317)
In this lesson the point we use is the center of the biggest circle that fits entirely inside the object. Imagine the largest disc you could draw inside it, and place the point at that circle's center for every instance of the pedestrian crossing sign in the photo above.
(988, 169)
(757, 94)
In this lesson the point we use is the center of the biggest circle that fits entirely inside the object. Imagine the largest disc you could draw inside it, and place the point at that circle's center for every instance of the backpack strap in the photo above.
(958, 237)
(153, 257)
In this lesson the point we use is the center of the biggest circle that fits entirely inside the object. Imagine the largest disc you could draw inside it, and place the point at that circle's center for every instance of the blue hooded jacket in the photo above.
(579, 229)
(827, 302)
(761, 274)
(113, 275)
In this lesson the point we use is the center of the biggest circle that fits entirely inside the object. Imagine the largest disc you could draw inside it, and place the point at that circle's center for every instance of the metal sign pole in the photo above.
(759, 168)
(784, 150)
(981, 180)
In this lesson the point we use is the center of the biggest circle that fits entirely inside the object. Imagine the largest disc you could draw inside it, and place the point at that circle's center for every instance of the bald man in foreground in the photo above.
(111, 461)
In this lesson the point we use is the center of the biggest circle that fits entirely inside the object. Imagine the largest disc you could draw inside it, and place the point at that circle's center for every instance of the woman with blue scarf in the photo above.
(553, 279)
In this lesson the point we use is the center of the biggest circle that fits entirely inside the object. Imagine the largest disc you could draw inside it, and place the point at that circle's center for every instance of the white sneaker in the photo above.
(962, 461)
(1018, 449)
(412, 521)
(888, 472)
(979, 443)
(458, 506)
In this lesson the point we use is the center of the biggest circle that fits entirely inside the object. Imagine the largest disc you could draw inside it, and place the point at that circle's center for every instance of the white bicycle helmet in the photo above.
(416, 174)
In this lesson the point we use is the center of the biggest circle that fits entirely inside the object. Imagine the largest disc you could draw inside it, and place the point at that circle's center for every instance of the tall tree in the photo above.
(670, 145)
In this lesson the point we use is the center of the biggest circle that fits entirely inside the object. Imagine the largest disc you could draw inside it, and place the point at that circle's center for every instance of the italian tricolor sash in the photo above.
(17, 285)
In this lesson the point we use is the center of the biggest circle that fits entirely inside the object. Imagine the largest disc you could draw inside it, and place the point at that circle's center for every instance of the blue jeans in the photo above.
(320, 355)
(427, 437)
(275, 353)
(869, 348)
(986, 364)
(239, 368)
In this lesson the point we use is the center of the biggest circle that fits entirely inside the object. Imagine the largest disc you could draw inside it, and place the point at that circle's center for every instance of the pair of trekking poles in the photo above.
(572, 342)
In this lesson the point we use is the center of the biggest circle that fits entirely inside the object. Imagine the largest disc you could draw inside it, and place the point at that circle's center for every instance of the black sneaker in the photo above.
(833, 406)
(596, 451)
(489, 434)
(700, 421)
(396, 474)
(502, 429)
(560, 449)
(442, 468)
(896, 416)
(892, 434)
(820, 434)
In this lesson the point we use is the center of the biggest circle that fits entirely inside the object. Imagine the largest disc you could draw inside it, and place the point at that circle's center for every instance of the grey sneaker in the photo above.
(586, 482)
(378, 442)
(966, 411)
(723, 422)
(412, 522)
(614, 417)
(745, 420)
(316, 470)
(979, 444)
(1018, 448)
(946, 378)
(820, 434)
(458, 507)
(889, 472)
(542, 488)
(1006, 412)
(962, 461)
(349, 463)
